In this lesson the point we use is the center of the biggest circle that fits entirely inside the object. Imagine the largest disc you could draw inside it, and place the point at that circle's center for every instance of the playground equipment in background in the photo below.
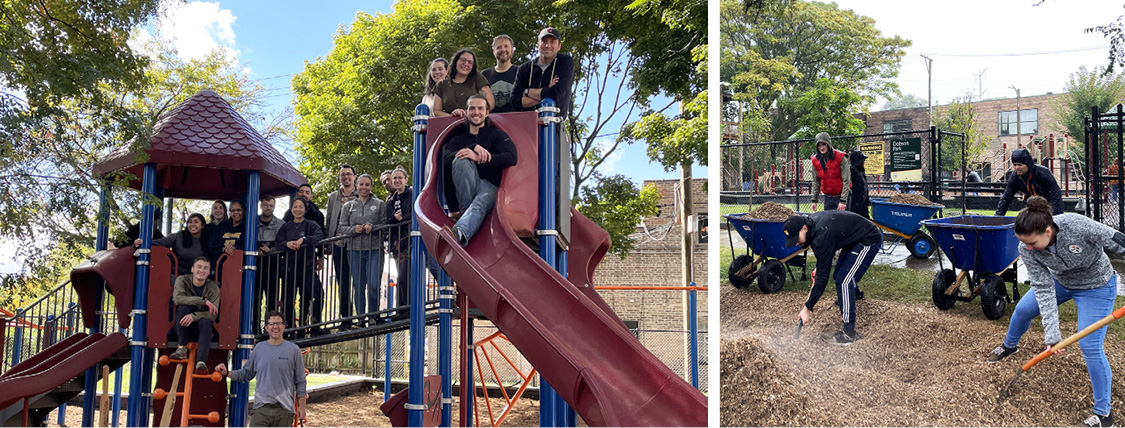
(985, 250)
(905, 222)
(766, 239)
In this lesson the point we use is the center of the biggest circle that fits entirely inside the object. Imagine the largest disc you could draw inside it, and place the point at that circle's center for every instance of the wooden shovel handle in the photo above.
(1120, 312)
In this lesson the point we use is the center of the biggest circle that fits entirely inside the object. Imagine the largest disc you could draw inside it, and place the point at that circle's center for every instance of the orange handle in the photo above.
(1120, 312)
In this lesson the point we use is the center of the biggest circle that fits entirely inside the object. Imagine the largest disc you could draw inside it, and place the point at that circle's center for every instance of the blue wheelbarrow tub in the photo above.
(764, 237)
(901, 218)
(985, 244)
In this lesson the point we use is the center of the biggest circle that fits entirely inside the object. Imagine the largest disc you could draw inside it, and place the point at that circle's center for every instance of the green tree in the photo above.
(50, 195)
(1115, 32)
(1086, 90)
(615, 204)
(960, 116)
(904, 101)
(829, 108)
(820, 41)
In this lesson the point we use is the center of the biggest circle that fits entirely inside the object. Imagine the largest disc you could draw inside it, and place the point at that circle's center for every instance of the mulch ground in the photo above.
(913, 365)
(769, 211)
(910, 199)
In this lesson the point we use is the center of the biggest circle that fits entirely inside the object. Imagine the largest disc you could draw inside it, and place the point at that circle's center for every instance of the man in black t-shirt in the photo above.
(502, 77)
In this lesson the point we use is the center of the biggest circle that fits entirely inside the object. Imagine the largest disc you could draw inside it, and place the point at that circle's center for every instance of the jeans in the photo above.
(850, 267)
(831, 202)
(204, 326)
(367, 276)
(343, 280)
(475, 195)
(1113, 192)
(1093, 305)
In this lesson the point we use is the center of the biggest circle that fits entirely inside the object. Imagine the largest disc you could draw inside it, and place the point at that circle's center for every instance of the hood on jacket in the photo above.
(823, 137)
(1022, 156)
(857, 158)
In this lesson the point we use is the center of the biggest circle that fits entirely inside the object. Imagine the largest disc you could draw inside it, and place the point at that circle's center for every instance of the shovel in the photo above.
(1004, 393)
(800, 323)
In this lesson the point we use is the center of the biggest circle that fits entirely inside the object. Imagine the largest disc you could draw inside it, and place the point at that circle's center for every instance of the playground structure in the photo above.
(183, 163)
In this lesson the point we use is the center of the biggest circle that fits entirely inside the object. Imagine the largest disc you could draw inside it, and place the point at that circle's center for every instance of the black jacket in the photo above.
(831, 231)
(1038, 182)
(858, 201)
(529, 75)
(396, 202)
(492, 139)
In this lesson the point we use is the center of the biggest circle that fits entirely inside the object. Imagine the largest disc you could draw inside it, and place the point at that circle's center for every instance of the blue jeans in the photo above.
(475, 195)
(1093, 305)
(831, 202)
(1113, 192)
(367, 274)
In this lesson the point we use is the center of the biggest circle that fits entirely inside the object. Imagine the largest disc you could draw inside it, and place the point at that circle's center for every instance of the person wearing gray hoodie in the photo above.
(831, 175)
(1065, 259)
(360, 217)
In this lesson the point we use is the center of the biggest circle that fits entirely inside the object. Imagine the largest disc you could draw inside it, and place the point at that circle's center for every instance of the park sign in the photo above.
(906, 159)
(874, 162)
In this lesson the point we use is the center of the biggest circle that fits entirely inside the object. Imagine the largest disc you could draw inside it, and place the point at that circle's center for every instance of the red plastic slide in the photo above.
(56, 365)
(564, 329)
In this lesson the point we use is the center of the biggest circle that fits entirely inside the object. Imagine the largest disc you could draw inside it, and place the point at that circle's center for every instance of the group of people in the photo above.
(1064, 253)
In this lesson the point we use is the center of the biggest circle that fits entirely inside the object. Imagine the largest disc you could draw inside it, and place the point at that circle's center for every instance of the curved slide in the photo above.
(564, 329)
(57, 365)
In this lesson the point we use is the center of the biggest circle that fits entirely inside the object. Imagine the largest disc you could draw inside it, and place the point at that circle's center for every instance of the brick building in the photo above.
(997, 120)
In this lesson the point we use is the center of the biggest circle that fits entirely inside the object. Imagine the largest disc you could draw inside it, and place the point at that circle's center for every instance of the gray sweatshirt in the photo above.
(357, 213)
(1078, 262)
(336, 201)
(280, 371)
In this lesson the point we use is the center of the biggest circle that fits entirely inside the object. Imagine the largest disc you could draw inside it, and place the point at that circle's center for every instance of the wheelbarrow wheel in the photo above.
(921, 245)
(739, 281)
(771, 277)
(942, 281)
(993, 298)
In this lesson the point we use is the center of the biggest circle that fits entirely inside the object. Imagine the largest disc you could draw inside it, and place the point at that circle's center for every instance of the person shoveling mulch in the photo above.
(769, 211)
(909, 199)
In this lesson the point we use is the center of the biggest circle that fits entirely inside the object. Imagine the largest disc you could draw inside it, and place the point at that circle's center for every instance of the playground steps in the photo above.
(66, 360)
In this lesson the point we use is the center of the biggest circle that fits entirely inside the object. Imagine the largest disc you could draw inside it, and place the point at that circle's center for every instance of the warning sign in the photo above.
(874, 151)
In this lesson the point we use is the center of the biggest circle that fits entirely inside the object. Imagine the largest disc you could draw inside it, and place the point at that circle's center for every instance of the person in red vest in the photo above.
(827, 163)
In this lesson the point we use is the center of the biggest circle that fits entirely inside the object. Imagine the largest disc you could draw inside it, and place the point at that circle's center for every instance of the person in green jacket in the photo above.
(197, 302)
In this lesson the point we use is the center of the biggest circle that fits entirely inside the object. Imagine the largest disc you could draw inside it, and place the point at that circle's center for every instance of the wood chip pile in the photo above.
(910, 199)
(769, 211)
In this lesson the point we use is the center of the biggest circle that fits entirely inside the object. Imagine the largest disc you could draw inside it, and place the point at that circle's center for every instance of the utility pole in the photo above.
(1019, 135)
(980, 84)
(929, 88)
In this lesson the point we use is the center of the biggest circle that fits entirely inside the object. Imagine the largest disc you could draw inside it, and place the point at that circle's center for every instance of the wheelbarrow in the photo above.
(905, 222)
(771, 259)
(983, 251)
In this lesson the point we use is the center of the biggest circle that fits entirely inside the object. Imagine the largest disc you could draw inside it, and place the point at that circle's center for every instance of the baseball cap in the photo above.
(792, 230)
(549, 31)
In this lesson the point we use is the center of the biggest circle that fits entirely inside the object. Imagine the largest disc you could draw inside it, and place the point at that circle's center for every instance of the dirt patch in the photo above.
(910, 199)
(769, 211)
(361, 409)
(913, 365)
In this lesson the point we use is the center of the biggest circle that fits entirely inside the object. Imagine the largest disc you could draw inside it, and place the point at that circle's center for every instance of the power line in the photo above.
(1060, 51)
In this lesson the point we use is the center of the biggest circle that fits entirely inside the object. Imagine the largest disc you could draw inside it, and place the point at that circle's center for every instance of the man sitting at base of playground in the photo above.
(827, 232)
(280, 370)
(473, 163)
(1030, 180)
(197, 302)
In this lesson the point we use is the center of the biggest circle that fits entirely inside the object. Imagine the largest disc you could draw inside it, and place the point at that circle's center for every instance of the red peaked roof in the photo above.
(203, 149)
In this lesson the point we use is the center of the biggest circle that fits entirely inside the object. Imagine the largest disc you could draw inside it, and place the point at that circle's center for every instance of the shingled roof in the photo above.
(203, 149)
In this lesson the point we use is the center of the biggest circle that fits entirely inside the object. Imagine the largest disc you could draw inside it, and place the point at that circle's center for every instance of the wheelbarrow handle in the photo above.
(1120, 312)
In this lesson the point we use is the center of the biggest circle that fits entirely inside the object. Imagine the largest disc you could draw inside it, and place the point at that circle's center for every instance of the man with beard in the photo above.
(502, 77)
(473, 164)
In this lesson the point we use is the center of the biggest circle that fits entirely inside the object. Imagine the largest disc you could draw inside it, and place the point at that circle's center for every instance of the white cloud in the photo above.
(195, 30)
(610, 165)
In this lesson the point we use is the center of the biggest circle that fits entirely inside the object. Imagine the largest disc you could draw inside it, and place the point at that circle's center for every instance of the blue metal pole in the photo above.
(138, 388)
(415, 400)
(117, 392)
(101, 242)
(446, 292)
(388, 339)
(693, 331)
(470, 402)
(551, 410)
(17, 339)
(241, 390)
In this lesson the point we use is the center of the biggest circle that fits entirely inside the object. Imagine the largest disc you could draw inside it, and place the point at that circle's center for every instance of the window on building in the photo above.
(898, 125)
(1029, 122)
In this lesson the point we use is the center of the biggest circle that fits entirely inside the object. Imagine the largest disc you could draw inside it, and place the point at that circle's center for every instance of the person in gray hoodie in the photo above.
(1065, 259)
(360, 217)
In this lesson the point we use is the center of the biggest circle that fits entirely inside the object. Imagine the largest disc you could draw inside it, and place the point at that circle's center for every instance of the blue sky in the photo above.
(273, 39)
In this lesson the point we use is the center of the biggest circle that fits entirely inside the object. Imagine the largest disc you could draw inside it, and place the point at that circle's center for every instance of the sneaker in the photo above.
(180, 354)
(461, 239)
(201, 366)
(858, 295)
(1099, 421)
(1000, 352)
(845, 339)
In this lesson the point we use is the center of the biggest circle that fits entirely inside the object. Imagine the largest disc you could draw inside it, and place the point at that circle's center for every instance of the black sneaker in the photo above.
(201, 367)
(461, 239)
(180, 354)
(845, 339)
(1099, 421)
(858, 295)
(1000, 352)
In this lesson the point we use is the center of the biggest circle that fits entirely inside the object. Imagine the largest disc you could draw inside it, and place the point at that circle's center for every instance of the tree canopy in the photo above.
(1086, 90)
